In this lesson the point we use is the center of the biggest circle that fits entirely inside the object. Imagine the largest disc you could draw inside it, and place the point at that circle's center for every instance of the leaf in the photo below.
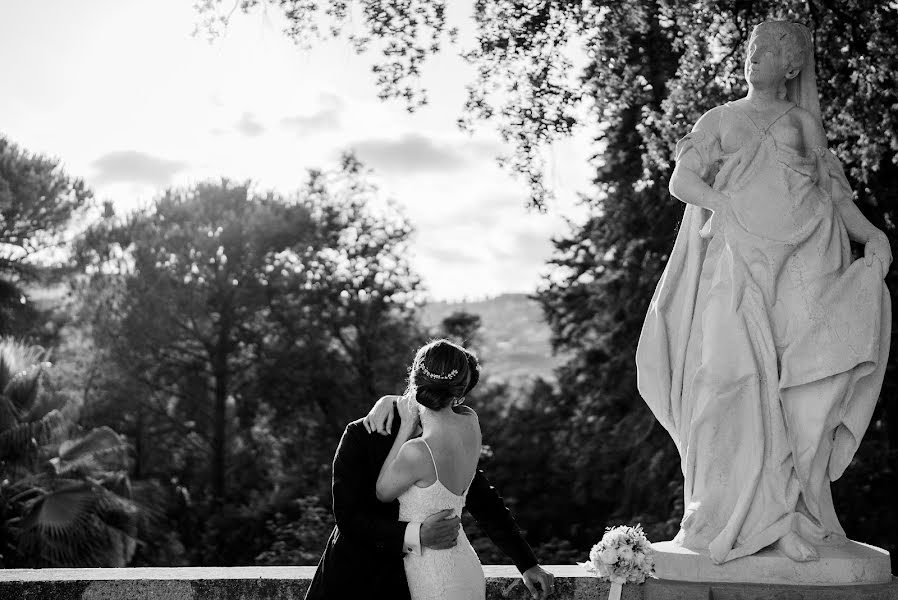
(24, 387)
(58, 513)
(14, 358)
(17, 441)
(44, 404)
(9, 415)
(98, 440)
(80, 525)
(101, 449)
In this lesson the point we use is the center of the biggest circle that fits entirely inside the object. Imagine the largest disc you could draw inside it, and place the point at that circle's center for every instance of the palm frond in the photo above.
(9, 414)
(45, 403)
(79, 525)
(94, 455)
(96, 441)
(76, 510)
(24, 387)
(15, 357)
(26, 437)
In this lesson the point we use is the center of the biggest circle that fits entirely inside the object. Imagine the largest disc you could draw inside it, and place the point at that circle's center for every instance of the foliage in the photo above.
(242, 331)
(64, 491)
(300, 533)
(671, 73)
(462, 328)
(404, 32)
(234, 394)
(39, 203)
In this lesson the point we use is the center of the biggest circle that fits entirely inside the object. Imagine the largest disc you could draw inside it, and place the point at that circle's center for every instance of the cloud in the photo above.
(135, 167)
(526, 246)
(450, 254)
(248, 126)
(414, 152)
(326, 119)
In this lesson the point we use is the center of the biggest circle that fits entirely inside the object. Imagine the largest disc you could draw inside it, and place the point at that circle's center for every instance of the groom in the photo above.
(363, 557)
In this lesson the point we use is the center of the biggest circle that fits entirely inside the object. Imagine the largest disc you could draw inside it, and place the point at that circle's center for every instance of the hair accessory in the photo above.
(448, 375)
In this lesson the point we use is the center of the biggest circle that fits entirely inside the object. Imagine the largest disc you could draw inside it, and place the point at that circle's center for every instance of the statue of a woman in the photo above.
(764, 348)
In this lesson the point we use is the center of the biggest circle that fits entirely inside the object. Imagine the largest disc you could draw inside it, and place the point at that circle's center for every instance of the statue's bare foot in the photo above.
(793, 546)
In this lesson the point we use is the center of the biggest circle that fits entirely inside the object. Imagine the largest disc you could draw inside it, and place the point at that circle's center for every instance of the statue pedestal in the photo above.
(850, 564)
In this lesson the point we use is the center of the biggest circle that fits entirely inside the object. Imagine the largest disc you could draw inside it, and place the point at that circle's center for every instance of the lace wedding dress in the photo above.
(452, 574)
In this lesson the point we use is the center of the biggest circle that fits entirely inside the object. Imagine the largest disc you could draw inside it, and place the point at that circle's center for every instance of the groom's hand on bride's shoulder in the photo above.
(439, 531)
(380, 417)
(540, 582)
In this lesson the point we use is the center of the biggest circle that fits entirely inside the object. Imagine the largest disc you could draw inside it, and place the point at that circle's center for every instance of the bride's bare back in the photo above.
(455, 441)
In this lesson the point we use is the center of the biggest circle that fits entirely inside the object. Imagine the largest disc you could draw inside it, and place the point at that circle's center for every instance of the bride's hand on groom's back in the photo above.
(439, 531)
(380, 417)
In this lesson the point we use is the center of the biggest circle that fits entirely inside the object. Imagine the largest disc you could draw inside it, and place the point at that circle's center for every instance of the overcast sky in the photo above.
(130, 101)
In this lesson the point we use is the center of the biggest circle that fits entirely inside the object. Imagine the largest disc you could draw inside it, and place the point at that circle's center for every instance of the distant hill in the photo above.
(515, 338)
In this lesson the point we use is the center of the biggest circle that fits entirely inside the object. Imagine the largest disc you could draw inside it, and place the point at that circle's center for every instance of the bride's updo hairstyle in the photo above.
(442, 373)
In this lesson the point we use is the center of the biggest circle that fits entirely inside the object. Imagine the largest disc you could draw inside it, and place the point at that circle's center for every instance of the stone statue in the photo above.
(764, 348)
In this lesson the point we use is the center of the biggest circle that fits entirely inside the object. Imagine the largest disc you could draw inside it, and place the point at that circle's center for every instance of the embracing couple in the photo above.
(401, 477)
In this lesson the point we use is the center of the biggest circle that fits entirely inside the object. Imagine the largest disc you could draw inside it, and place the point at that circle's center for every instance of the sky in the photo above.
(130, 101)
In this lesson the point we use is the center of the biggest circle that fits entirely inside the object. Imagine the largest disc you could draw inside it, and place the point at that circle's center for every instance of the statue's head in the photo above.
(777, 52)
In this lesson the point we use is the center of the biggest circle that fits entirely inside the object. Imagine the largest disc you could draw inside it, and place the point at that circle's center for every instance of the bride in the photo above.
(434, 471)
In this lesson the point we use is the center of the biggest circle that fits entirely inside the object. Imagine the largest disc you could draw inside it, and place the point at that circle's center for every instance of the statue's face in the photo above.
(764, 60)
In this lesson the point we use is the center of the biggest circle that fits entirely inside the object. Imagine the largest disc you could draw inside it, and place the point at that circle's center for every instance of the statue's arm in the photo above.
(859, 228)
(686, 183)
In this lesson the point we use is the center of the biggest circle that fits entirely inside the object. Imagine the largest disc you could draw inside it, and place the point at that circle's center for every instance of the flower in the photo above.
(608, 556)
(623, 555)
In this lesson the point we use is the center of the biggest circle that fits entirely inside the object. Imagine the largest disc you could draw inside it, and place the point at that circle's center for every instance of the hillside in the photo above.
(515, 338)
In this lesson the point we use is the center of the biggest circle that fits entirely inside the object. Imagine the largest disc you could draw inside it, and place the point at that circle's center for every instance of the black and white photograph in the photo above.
(448, 299)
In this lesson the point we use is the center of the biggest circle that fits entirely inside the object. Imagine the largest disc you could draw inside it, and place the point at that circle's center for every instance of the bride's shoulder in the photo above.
(471, 418)
(415, 450)
(466, 411)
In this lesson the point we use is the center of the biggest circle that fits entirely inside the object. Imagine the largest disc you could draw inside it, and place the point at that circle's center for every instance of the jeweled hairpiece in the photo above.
(448, 375)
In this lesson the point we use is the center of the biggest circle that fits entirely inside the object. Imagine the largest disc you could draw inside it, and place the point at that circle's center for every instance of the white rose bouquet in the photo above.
(624, 555)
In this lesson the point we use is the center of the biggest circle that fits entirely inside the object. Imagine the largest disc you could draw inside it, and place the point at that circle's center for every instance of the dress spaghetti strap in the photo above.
(435, 470)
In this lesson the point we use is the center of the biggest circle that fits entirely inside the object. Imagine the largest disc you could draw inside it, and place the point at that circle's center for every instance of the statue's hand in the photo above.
(718, 215)
(877, 248)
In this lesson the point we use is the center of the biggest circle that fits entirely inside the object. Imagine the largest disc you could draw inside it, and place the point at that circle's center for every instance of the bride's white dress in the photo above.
(453, 574)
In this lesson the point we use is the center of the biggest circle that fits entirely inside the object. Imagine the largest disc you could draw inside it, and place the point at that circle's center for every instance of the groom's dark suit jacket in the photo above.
(363, 557)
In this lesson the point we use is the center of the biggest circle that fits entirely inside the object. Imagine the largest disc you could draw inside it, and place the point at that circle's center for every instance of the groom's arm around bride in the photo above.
(363, 555)
(483, 502)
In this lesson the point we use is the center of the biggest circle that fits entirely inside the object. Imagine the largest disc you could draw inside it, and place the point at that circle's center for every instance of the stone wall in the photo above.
(290, 583)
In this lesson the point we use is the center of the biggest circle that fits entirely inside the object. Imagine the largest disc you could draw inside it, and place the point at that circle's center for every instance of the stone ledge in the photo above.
(850, 564)
(290, 583)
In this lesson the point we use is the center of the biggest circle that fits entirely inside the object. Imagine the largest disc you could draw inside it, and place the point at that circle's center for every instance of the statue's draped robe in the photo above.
(764, 348)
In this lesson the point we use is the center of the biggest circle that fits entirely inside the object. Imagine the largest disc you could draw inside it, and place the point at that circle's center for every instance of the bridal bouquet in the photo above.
(624, 555)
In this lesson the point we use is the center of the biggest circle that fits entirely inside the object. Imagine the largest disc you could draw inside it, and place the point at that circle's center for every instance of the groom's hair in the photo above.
(442, 373)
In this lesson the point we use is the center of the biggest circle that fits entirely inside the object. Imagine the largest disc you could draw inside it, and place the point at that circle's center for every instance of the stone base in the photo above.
(660, 589)
(850, 564)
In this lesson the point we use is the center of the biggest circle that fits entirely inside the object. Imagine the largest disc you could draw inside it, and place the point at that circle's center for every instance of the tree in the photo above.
(39, 204)
(254, 327)
(463, 328)
(652, 68)
(65, 494)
